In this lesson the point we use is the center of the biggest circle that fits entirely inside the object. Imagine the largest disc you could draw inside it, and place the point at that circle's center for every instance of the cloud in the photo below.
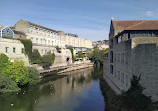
(149, 13)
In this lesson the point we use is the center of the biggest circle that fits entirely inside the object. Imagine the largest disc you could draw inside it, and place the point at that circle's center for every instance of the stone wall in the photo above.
(17, 55)
(145, 63)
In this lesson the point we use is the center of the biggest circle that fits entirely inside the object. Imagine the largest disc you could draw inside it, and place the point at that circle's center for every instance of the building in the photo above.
(133, 51)
(41, 35)
(74, 41)
(5, 31)
(13, 49)
(101, 45)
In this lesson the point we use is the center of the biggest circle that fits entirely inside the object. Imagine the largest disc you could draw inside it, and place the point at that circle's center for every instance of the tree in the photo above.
(80, 54)
(7, 84)
(3, 61)
(89, 53)
(33, 76)
(47, 59)
(36, 57)
(16, 71)
(58, 49)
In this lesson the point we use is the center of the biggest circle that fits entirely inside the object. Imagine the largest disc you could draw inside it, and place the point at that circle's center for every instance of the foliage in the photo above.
(7, 84)
(89, 53)
(33, 76)
(28, 46)
(47, 59)
(134, 99)
(80, 54)
(16, 71)
(36, 57)
(98, 56)
(58, 49)
(131, 100)
(3, 61)
(72, 53)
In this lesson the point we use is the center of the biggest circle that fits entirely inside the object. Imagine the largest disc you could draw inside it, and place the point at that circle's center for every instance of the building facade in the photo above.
(101, 45)
(41, 35)
(133, 51)
(74, 41)
(13, 49)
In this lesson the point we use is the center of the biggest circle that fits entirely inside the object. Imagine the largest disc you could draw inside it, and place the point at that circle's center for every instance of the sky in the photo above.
(89, 19)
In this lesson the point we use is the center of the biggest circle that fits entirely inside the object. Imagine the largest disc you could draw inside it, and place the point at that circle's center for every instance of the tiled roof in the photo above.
(137, 25)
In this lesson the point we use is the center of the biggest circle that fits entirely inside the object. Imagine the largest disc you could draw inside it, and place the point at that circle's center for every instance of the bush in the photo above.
(47, 59)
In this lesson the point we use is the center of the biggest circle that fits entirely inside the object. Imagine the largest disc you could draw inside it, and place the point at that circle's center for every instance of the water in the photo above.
(79, 91)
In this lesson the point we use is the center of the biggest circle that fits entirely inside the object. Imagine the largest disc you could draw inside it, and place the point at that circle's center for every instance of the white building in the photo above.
(41, 35)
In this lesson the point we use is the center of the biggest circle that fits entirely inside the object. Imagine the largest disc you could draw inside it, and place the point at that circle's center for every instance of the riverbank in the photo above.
(63, 69)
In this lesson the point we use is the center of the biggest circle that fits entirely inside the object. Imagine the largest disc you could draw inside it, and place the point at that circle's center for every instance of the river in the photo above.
(80, 91)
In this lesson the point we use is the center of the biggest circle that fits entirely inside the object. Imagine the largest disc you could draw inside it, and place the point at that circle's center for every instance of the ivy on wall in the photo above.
(72, 53)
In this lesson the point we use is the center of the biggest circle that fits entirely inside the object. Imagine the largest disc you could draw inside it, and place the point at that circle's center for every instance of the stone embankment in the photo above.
(76, 67)
(63, 69)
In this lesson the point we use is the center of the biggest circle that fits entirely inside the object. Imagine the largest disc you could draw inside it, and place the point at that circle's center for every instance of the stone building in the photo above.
(41, 35)
(74, 41)
(13, 49)
(101, 45)
(133, 51)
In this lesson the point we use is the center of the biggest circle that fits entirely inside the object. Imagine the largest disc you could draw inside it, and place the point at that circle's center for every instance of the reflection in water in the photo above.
(76, 92)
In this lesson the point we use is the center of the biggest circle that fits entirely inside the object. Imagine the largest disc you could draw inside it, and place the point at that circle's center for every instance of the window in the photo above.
(14, 49)
(126, 80)
(111, 69)
(22, 50)
(41, 41)
(37, 40)
(7, 49)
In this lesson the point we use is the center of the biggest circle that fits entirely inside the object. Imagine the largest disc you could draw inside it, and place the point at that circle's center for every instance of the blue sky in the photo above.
(90, 19)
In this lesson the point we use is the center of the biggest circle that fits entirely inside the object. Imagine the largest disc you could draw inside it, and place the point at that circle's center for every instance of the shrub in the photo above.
(36, 57)
(47, 59)
(80, 54)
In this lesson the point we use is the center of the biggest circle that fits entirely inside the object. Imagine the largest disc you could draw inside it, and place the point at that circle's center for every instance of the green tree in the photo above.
(36, 57)
(33, 76)
(58, 49)
(16, 71)
(3, 61)
(7, 84)
(47, 59)
(80, 54)
(89, 53)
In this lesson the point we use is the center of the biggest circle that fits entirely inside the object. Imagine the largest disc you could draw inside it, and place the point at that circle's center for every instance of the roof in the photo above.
(137, 25)
(18, 32)
(40, 26)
